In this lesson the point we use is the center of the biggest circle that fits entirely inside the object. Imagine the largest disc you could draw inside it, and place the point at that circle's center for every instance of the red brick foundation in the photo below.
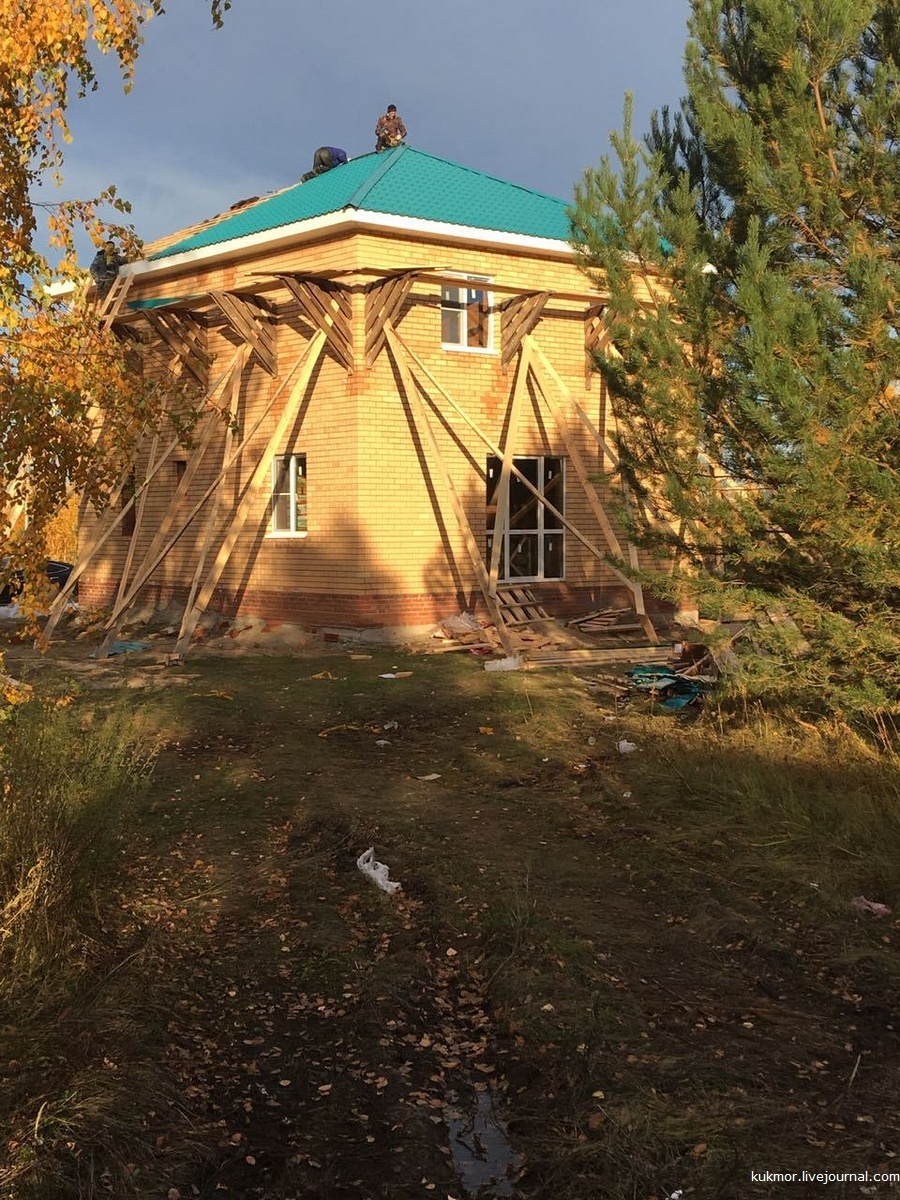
(317, 610)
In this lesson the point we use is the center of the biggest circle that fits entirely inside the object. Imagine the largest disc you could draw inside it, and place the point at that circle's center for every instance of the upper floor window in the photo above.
(289, 494)
(466, 318)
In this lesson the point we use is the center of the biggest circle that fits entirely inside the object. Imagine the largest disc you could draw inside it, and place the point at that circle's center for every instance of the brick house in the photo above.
(403, 344)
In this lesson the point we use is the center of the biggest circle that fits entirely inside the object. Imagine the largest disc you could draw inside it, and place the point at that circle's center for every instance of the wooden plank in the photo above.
(326, 306)
(249, 327)
(567, 524)
(384, 303)
(590, 491)
(250, 495)
(99, 538)
(520, 316)
(189, 620)
(424, 425)
(501, 515)
(579, 658)
(170, 336)
(138, 517)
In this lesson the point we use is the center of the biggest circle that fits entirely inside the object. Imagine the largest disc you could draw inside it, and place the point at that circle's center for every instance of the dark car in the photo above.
(57, 572)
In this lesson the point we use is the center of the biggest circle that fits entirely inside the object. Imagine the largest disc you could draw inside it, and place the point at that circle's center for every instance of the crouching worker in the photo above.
(389, 130)
(325, 159)
(105, 266)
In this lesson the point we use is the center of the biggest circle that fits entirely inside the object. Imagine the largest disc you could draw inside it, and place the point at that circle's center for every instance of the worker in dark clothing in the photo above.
(389, 130)
(326, 158)
(105, 266)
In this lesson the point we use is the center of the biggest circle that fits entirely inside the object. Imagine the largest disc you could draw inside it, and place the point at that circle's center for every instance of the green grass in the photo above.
(654, 956)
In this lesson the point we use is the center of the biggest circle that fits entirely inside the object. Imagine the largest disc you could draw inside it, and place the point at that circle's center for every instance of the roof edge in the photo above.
(350, 219)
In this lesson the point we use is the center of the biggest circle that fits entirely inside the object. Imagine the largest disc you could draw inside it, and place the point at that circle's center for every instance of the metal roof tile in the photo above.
(406, 183)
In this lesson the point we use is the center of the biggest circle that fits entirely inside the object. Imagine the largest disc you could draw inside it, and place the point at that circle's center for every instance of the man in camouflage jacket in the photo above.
(390, 130)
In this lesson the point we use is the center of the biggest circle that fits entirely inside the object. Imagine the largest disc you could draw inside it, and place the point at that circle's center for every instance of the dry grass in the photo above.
(658, 949)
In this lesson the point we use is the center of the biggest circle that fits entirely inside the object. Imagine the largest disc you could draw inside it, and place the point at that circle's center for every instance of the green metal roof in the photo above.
(403, 183)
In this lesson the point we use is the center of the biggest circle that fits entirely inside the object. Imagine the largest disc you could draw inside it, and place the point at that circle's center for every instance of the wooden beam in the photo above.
(585, 541)
(326, 306)
(184, 340)
(251, 326)
(140, 504)
(520, 315)
(502, 514)
(188, 621)
(423, 425)
(384, 301)
(125, 597)
(593, 497)
(100, 537)
(305, 363)
(249, 498)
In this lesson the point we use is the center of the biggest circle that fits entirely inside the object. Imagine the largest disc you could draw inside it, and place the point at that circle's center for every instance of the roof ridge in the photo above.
(380, 171)
(484, 175)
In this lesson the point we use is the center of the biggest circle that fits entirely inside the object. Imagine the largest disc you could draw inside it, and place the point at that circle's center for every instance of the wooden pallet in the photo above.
(519, 606)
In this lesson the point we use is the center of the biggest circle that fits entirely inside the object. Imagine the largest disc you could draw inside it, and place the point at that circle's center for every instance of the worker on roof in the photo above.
(389, 129)
(105, 266)
(326, 158)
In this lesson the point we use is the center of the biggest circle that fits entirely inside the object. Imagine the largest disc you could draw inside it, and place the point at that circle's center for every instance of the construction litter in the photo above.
(378, 872)
(861, 904)
(125, 648)
(512, 662)
(674, 691)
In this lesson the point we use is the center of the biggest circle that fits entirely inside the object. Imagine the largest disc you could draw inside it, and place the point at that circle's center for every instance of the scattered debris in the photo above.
(125, 648)
(626, 747)
(581, 657)
(674, 690)
(607, 620)
(378, 872)
(861, 904)
(512, 662)
(428, 778)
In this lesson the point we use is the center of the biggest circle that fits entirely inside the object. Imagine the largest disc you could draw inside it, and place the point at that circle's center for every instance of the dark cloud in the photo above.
(522, 89)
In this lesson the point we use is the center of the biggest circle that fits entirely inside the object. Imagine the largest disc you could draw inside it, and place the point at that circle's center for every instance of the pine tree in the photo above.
(751, 256)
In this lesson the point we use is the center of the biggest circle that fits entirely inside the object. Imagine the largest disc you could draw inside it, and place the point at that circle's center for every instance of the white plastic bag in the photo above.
(378, 872)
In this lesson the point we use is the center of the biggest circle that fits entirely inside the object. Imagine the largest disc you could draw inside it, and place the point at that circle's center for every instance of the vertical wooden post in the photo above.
(502, 514)
(422, 422)
(250, 497)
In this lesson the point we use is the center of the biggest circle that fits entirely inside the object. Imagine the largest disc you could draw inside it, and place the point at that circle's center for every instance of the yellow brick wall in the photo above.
(380, 521)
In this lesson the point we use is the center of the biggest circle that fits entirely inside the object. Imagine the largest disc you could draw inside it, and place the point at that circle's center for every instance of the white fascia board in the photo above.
(348, 219)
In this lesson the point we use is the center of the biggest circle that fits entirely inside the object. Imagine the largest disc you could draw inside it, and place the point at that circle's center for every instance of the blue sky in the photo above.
(524, 90)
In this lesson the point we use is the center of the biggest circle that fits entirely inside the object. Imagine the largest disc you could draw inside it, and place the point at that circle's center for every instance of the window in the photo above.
(466, 320)
(289, 494)
(533, 541)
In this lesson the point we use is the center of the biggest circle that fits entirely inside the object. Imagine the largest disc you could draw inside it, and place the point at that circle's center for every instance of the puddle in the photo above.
(482, 1156)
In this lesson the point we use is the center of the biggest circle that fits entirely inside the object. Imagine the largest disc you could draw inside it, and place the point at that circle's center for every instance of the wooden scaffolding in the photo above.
(324, 300)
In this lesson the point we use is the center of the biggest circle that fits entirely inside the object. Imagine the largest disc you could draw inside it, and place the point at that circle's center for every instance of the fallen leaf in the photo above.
(700, 1149)
(486, 730)
(595, 1120)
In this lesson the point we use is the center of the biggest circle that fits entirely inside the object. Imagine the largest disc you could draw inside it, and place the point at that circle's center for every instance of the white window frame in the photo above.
(296, 460)
(540, 530)
(465, 284)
